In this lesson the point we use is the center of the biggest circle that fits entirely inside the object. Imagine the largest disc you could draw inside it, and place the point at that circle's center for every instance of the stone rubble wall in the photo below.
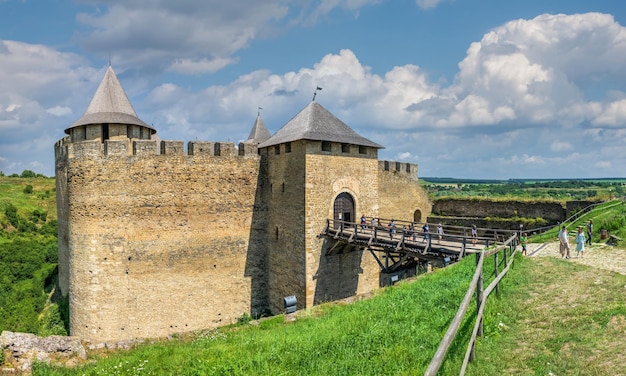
(22, 349)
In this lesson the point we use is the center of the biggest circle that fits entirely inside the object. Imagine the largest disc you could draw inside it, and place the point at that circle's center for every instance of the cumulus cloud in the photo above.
(39, 84)
(195, 36)
(536, 71)
(518, 106)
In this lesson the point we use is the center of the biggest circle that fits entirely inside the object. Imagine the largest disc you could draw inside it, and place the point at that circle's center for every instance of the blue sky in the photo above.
(464, 88)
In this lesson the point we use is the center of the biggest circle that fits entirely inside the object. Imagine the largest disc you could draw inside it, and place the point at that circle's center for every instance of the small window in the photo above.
(277, 149)
(326, 146)
(288, 147)
(283, 187)
(362, 149)
(345, 148)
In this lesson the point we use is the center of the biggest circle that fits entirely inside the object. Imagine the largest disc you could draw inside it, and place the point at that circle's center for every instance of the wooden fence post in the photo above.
(479, 295)
(495, 262)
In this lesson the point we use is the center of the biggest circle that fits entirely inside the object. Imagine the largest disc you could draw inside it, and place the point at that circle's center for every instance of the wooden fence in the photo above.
(508, 250)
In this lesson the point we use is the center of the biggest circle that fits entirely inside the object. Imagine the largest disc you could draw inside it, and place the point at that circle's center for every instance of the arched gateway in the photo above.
(344, 208)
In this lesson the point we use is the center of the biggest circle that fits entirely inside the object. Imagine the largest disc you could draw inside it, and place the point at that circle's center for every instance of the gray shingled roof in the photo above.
(315, 122)
(109, 105)
(259, 132)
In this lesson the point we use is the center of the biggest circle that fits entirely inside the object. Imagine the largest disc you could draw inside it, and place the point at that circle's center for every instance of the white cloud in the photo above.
(404, 156)
(519, 98)
(536, 71)
(427, 4)
(559, 146)
(197, 36)
(188, 66)
(59, 111)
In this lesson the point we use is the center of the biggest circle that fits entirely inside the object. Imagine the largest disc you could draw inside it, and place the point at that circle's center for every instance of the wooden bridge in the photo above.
(407, 244)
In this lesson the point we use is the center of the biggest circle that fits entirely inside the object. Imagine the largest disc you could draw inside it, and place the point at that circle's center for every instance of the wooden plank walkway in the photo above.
(403, 244)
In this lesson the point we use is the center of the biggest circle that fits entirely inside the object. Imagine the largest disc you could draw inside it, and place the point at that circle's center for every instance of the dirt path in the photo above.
(598, 255)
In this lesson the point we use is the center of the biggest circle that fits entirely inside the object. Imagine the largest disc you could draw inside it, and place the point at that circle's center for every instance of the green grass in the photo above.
(552, 317)
(394, 333)
(558, 318)
(397, 332)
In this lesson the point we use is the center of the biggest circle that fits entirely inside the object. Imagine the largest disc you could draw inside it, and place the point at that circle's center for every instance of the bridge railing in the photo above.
(412, 232)
(508, 250)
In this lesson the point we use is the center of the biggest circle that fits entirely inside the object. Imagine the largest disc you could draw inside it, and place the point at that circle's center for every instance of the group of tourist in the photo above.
(564, 248)
(581, 240)
(410, 230)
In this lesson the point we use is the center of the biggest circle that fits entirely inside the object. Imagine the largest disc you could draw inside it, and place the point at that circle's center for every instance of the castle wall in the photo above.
(401, 197)
(553, 212)
(161, 243)
(62, 200)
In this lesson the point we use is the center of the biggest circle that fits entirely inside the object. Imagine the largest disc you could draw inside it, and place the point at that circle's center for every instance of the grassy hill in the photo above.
(553, 317)
(28, 255)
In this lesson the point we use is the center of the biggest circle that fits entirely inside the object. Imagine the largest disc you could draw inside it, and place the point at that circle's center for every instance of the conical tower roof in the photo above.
(314, 122)
(109, 105)
(259, 132)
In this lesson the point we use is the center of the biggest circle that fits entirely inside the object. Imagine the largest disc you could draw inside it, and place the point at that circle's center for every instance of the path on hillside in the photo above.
(598, 255)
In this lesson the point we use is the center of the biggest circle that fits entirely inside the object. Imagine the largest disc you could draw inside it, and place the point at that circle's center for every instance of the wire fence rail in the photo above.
(508, 250)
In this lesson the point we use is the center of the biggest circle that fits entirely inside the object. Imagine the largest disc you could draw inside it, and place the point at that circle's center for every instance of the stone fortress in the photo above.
(155, 239)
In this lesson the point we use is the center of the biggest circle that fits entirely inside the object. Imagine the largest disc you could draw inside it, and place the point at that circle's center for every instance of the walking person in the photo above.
(474, 234)
(564, 243)
(580, 243)
(439, 233)
(523, 240)
(392, 228)
(589, 231)
(426, 231)
(363, 222)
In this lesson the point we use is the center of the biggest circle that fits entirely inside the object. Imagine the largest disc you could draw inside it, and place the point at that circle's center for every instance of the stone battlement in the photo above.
(134, 147)
(409, 169)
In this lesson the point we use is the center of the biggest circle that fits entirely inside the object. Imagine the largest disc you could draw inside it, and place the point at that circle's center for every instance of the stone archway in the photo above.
(343, 208)
(417, 216)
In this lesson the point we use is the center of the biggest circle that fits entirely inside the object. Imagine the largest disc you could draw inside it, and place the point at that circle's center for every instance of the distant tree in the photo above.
(28, 174)
(28, 189)
(10, 211)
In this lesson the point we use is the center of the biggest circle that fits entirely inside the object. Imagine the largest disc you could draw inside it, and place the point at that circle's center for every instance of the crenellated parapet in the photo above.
(64, 148)
(408, 169)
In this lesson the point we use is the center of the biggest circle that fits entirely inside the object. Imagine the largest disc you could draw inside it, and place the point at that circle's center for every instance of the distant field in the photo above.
(43, 196)
(508, 181)
(544, 189)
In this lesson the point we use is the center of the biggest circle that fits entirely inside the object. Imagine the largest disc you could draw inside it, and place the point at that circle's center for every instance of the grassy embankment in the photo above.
(553, 317)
